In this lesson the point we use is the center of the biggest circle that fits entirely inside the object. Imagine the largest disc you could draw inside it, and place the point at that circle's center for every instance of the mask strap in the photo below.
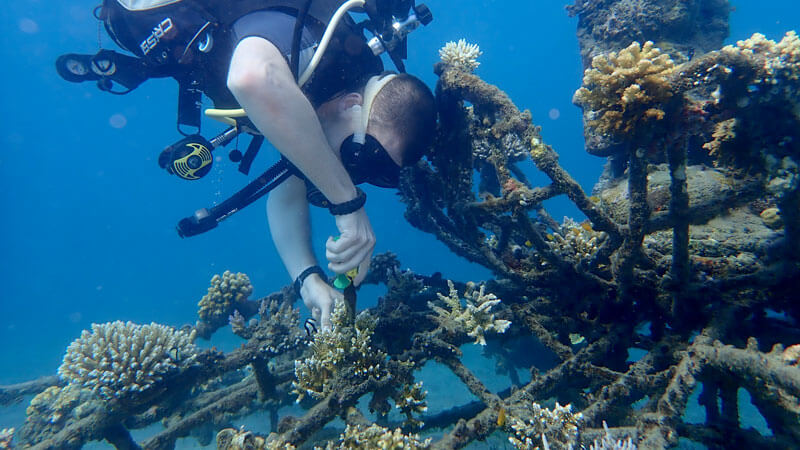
(374, 86)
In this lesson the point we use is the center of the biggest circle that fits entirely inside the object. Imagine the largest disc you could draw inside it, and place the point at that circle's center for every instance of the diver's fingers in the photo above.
(346, 253)
(325, 316)
(363, 269)
(348, 265)
(316, 313)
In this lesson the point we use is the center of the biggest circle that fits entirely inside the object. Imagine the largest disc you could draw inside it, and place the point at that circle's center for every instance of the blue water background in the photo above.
(87, 232)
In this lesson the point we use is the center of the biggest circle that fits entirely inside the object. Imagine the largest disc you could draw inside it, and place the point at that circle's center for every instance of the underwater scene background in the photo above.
(88, 226)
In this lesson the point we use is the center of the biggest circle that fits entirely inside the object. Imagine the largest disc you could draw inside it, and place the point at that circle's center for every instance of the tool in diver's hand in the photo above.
(344, 281)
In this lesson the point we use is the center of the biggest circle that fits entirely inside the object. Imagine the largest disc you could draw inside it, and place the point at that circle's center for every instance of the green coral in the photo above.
(224, 295)
(376, 437)
(339, 351)
(476, 319)
(625, 90)
(121, 360)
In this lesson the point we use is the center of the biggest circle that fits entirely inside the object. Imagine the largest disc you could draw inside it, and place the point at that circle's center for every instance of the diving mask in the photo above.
(369, 162)
(363, 156)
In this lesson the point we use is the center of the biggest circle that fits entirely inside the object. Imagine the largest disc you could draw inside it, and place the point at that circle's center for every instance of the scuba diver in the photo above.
(299, 73)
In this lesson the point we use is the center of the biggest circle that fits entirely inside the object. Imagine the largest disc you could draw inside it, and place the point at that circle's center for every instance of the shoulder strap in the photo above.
(226, 12)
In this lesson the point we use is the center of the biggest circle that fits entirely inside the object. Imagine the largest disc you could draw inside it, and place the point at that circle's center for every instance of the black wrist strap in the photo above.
(350, 206)
(298, 282)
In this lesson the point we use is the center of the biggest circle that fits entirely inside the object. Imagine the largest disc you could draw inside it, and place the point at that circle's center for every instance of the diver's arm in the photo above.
(290, 226)
(263, 85)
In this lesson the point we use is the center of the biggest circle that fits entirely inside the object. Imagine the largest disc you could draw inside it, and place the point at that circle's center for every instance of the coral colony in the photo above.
(689, 252)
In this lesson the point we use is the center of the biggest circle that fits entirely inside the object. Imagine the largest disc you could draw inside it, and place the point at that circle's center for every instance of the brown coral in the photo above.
(625, 90)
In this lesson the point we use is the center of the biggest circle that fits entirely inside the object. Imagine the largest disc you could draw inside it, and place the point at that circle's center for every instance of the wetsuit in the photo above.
(345, 67)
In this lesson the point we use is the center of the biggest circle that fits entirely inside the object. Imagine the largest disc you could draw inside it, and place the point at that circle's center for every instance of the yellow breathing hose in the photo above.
(229, 116)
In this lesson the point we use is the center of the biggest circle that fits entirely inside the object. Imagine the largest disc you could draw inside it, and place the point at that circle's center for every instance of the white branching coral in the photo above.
(608, 442)
(6, 436)
(340, 350)
(558, 427)
(375, 436)
(782, 59)
(121, 359)
(780, 64)
(476, 319)
(461, 55)
(410, 400)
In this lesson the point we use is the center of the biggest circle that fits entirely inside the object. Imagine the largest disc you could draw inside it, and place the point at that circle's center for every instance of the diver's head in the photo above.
(388, 126)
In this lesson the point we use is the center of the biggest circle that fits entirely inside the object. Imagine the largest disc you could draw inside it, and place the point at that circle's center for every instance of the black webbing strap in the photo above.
(207, 219)
(250, 154)
(297, 35)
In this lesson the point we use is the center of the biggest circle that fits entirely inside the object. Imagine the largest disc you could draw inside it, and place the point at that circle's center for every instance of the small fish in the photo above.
(501, 417)
(690, 53)
(174, 354)
(528, 244)
(310, 326)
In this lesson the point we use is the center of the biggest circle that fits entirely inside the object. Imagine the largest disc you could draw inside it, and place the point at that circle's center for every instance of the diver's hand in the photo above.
(319, 297)
(353, 248)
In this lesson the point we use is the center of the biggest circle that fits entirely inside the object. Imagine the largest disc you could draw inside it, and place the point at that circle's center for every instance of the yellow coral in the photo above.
(724, 131)
(624, 90)
(223, 295)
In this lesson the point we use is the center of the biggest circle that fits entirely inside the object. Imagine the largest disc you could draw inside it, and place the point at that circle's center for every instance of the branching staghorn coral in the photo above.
(375, 436)
(410, 400)
(460, 55)
(557, 427)
(337, 349)
(123, 360)
(476, 319)
(6, 438)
